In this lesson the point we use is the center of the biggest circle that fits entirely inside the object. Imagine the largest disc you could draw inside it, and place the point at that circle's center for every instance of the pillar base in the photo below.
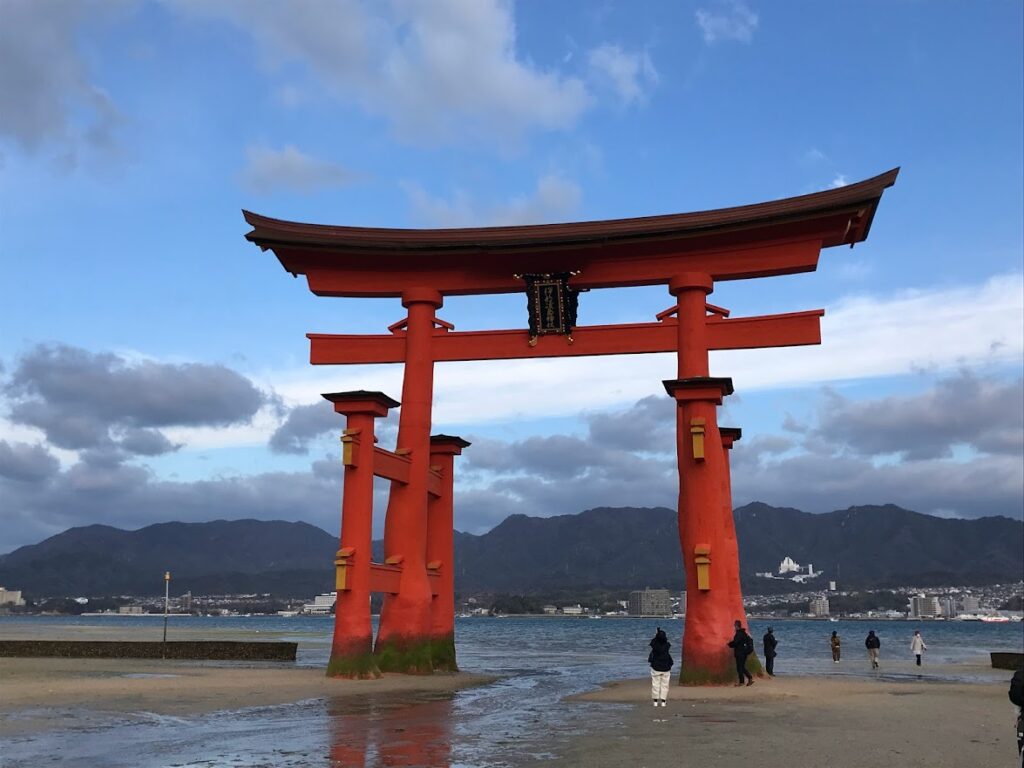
(408, 655)
(354, 666)
(442, 653)
(724, 674)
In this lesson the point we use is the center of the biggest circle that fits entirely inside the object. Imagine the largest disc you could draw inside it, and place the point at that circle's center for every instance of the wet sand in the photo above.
(832, 720)
(180, 688)
(805, 722)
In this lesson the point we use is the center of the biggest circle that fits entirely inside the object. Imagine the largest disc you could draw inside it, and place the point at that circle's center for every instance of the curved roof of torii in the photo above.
(375, 261)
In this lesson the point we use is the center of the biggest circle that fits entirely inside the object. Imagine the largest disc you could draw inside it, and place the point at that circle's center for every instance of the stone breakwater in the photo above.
(205, 650)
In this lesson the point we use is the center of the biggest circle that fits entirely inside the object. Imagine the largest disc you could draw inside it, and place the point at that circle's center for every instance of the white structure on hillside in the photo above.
(788, 565)
(11, 597)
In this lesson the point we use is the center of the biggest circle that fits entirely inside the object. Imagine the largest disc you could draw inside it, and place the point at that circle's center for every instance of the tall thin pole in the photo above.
(167, 595)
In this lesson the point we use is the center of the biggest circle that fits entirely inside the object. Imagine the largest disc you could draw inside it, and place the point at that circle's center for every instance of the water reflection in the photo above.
(383, 734)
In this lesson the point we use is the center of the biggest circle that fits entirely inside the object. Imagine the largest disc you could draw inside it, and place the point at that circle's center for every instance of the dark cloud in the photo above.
(29, 463)
(83, 400)
(146, 442)
(46, 93)
(305, 424)
(103, 488)
(961, 410)
(648, 426)
(824, 468)
(856, 452)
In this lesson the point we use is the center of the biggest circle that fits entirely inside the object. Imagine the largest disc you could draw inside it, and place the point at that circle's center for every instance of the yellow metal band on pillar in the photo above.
(341, 566)
(349, 442)
(697, 436)
(702, 560)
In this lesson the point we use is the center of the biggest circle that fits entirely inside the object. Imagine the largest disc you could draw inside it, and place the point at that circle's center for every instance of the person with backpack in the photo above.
(835, 643)
(661, 662)
(742, 646)
(873, 644)
(770, 642)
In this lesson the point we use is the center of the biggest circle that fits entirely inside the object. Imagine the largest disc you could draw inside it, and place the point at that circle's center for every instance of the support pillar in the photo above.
(352, 645)
(403, 639)
(706, 530)
(441, 551)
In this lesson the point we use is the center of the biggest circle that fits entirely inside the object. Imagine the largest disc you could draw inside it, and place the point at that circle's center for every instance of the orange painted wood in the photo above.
(793, 329)
(390, 466)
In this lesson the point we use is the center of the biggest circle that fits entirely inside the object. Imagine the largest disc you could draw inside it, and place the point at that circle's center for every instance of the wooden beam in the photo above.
(793, 329)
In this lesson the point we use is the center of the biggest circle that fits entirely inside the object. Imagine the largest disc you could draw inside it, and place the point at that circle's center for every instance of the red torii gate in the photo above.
(687, 252)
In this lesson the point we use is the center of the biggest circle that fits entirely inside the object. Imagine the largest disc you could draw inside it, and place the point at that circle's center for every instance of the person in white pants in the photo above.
(661, 665)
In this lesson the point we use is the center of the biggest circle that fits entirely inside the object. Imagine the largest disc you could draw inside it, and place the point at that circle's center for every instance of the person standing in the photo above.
(742, 646)
(917, 646)
(661, 662)
(835, 642)
(769, 652)
(873, 644)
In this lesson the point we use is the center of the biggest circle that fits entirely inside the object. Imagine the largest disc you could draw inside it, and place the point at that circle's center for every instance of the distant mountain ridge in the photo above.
(603, 548)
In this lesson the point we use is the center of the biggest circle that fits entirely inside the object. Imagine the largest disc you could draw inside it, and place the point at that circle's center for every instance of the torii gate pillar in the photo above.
(707, 533)
(352, 645)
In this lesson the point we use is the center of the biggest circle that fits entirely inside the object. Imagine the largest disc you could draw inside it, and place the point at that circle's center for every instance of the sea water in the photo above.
(511, 722)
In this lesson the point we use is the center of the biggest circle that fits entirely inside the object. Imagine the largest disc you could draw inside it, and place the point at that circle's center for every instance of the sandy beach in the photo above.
(805, 722)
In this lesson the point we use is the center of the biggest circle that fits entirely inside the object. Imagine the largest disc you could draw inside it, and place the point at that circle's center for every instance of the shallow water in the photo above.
(511, 722)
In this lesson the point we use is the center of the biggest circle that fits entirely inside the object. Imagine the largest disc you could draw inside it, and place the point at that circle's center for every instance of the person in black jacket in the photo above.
(873, 644)
(742, 646)
(661, 662)
(769, 651)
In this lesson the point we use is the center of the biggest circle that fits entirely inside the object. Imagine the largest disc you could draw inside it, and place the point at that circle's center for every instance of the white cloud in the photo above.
(838, 181)
(626, 73)
(436, 70)
(268, 169)
(555, 198)
(732, 21)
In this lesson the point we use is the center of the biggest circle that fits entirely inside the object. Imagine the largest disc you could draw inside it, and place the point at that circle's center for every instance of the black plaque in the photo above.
(551, 304)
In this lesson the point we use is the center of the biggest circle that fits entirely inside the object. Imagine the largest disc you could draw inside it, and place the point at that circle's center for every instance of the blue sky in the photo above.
(154, 362)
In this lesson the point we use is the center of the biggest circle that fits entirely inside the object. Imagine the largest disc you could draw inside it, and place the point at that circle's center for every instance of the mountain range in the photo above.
(599, 549)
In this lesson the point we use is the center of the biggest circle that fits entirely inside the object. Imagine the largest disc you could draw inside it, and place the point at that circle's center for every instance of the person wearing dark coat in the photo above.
(661, 662)
(742, 646)
(873, 644)
(769, 651)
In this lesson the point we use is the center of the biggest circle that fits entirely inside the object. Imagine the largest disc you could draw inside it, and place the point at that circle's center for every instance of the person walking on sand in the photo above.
(742, 646)
(769, 651)
(835, 642)
(873, 644)
(661, 662)
(917, 646)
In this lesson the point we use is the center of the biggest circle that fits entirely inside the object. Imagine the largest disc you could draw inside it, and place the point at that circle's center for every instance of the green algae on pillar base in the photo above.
(360, 666)
(411, 656)
(442, 654)
(723, 675)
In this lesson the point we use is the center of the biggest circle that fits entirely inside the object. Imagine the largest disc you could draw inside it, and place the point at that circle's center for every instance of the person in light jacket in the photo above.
(661, 662)
(917, 646)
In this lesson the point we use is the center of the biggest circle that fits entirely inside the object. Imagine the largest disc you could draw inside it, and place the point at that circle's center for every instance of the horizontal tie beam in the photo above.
(788, 330)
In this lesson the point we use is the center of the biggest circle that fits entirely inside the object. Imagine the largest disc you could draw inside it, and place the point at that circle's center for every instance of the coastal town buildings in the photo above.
(11, 597)
(924, 607)
(819, 606)
(650, 602)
